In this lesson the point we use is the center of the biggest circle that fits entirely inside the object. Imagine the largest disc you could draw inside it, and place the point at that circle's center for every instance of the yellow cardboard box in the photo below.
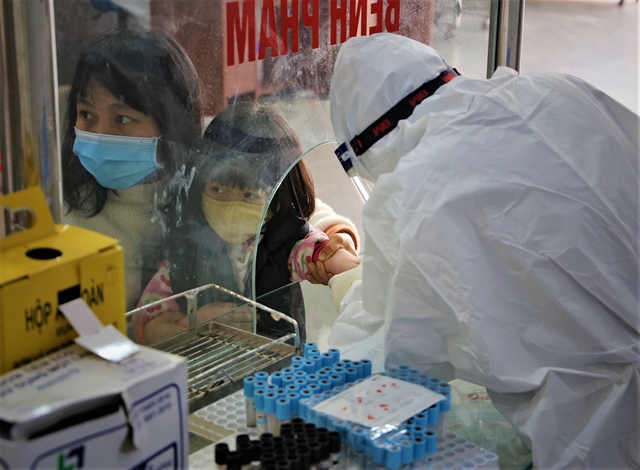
(46, 265)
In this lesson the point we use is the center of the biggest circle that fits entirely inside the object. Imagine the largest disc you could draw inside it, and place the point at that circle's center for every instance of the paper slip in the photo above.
(104, 341)
(379, 401)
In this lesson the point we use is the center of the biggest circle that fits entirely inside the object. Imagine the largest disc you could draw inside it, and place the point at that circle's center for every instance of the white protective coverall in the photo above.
(501, 244)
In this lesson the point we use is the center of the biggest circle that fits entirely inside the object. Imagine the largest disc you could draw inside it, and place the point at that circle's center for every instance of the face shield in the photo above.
(384, 75)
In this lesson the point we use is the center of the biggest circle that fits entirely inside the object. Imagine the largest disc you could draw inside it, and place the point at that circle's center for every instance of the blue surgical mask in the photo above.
(115, 161)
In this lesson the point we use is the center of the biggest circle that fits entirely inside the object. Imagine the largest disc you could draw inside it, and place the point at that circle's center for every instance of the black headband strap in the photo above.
(402, 110)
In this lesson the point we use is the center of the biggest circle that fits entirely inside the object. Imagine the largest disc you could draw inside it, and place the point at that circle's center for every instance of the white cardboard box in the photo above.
(73, 410)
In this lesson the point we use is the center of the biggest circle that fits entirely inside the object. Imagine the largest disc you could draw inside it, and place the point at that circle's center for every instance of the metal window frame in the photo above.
(505, 34)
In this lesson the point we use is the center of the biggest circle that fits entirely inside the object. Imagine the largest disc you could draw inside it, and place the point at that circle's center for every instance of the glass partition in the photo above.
(253, 78)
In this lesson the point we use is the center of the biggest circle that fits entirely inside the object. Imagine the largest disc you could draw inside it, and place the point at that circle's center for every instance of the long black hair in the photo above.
(152, 74)
(249, 144)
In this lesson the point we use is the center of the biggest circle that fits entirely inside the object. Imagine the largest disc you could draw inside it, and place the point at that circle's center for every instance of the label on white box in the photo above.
(103, 341)
(379, 401)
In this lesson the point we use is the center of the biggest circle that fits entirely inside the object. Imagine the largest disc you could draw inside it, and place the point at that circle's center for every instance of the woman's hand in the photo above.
(317, 271)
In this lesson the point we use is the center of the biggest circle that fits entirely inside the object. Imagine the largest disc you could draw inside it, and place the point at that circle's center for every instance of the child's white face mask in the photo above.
(234, 221)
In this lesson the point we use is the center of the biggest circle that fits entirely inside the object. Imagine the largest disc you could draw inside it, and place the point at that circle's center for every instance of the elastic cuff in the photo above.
(317, 249)
(343, 228)
(139, 333)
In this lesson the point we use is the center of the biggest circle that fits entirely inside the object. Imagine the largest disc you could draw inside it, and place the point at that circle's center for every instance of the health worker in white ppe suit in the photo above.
(501, 241)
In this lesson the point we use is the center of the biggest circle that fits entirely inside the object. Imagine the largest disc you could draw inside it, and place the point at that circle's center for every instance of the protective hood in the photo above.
(364, 87)
(502, 248)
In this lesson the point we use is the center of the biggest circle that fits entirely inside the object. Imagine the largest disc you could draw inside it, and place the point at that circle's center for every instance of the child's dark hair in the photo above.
(253, 145)
(150, 73)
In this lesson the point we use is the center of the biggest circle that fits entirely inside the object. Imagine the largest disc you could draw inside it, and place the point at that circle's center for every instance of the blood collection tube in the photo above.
(220, 455)
(248, 383)
(261, 417)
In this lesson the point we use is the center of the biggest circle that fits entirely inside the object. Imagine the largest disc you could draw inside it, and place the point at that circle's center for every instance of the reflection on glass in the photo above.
(181, 63)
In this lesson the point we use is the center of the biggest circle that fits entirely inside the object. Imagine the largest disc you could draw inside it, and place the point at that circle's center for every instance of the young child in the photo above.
(246, 152)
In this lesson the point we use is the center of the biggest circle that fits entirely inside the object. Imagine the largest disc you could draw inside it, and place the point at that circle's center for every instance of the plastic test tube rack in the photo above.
(219, 356)
(413, 445)
(452, 453)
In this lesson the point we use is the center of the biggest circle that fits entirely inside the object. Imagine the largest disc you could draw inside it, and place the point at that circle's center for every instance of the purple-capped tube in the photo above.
(250, 411)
